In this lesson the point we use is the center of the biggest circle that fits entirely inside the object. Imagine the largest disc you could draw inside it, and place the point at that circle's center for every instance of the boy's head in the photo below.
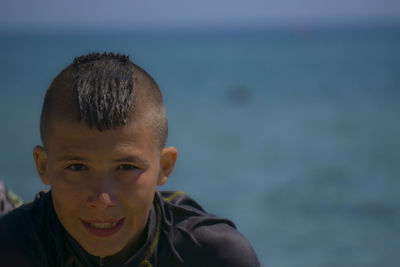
(104, 91)
(103, 126)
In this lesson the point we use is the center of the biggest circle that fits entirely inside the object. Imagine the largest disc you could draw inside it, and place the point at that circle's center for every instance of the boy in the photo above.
(104, 129)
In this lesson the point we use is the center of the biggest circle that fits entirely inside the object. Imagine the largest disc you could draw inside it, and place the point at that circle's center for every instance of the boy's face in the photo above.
(103, 183)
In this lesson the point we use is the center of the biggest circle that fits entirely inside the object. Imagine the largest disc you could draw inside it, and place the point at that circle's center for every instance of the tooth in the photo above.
(103, 225)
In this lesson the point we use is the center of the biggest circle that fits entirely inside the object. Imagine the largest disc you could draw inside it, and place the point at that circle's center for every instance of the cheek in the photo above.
(139, 192)
(67, 207)
(67, 195)
(148, 181)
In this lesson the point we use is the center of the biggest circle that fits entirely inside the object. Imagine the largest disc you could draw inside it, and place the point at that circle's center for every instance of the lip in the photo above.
(103, 232)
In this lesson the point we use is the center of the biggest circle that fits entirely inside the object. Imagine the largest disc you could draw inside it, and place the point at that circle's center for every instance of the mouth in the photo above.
(103, 228)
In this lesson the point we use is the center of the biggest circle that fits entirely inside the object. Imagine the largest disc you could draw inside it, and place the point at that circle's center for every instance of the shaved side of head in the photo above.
(104, 91)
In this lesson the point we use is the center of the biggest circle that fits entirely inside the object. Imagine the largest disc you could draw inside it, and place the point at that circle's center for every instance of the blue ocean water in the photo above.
(294, 135)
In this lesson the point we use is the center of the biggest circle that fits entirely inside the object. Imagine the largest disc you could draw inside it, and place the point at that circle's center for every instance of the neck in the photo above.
(129, 250)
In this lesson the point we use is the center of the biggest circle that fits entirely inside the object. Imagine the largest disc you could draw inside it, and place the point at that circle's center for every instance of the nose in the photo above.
(102, 193)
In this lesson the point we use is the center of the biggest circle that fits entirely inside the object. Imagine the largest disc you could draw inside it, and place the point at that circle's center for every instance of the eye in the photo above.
(127, 167)
(76, 167)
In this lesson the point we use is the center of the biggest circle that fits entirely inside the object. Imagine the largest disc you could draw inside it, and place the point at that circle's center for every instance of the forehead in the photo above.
(69, 136)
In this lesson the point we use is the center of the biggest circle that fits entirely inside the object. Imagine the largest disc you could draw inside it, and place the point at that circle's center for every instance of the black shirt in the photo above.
(179, 233)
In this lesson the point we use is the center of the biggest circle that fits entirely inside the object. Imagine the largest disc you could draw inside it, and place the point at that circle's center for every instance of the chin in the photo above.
(102, 251)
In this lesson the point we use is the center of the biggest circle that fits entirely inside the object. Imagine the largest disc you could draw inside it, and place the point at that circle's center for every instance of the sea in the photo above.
(292, 133)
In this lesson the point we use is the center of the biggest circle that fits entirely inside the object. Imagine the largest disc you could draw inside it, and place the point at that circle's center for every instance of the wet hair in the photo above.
(104, 91)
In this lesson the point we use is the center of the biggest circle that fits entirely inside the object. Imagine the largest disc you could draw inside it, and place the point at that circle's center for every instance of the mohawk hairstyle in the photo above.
(102, 91)
(97, 56)
(105, 89)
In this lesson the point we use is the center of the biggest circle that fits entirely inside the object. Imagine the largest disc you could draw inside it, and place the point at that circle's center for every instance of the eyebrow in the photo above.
(71, 158)
(133, 159)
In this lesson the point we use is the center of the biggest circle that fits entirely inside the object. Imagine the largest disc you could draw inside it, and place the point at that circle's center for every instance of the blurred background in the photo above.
(285, 113)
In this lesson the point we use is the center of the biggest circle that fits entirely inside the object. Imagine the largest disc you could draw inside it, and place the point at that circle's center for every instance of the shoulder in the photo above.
(30, 213)
(202, 239)
(16, 222)
(18, 233)
(224, 245)
(14, 236)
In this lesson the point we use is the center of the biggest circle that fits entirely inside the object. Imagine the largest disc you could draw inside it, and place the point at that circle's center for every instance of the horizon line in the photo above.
(204, 29)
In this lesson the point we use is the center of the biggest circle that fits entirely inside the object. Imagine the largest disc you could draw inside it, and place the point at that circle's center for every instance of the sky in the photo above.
(133, 14)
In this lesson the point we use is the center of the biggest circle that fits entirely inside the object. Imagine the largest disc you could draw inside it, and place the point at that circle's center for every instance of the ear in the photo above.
(40, 157)
(167, 160)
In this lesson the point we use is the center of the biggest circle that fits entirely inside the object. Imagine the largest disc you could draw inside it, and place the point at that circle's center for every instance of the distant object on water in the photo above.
(8, 199)
(239, 95)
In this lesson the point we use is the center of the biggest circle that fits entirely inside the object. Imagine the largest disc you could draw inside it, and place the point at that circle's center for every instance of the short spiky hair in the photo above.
(103, 91)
